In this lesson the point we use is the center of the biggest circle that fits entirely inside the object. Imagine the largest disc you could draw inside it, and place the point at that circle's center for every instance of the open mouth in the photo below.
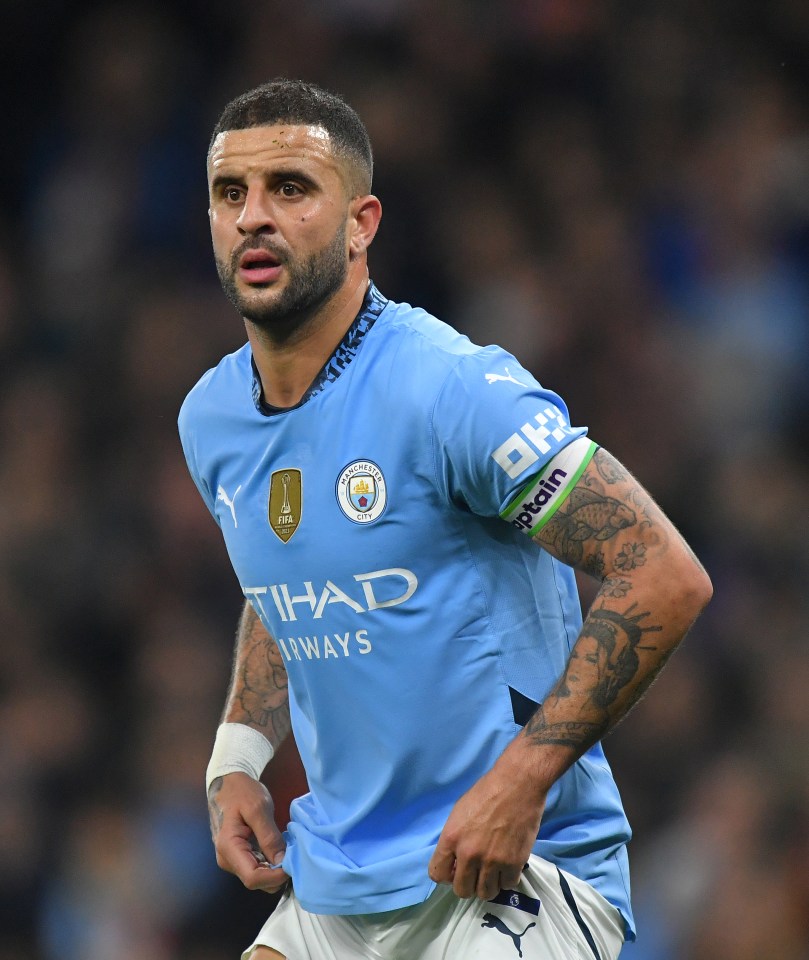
(259, 266)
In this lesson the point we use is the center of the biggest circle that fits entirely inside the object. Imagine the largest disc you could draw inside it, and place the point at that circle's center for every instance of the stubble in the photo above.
(311, 282)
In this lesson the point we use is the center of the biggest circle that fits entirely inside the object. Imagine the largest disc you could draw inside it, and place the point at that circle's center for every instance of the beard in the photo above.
(310, 283)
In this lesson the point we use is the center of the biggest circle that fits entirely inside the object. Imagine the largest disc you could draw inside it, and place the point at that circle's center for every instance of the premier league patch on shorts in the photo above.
(361, 491)
(520, 901)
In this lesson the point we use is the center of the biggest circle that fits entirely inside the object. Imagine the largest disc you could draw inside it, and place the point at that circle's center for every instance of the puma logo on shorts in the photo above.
(490, 920)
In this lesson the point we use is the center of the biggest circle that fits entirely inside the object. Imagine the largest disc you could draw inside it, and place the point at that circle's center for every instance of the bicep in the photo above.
(608, 525)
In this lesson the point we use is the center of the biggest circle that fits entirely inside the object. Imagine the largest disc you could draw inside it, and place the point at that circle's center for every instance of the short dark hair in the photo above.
(297, 102)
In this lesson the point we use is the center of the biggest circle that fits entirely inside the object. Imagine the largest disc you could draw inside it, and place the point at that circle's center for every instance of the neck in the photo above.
(287, 365)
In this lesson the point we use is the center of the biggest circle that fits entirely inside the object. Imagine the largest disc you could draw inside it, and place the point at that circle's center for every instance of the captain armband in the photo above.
(536, 504)
(238, 748)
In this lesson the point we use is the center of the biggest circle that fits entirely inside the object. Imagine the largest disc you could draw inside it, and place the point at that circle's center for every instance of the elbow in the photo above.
(696, 591)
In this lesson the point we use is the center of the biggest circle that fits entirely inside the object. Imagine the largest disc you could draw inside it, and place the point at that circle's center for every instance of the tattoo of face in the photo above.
(605, 662)
(610, 642)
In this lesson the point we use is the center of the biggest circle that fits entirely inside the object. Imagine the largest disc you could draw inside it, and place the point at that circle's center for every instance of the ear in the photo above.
(363, 222)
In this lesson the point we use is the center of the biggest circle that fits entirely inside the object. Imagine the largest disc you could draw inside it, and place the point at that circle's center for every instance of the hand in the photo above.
(488, 836)
(246, 838)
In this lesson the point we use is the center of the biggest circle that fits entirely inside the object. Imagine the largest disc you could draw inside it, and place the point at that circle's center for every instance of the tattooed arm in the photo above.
(652, 589)
(241, 810)
(258, 694)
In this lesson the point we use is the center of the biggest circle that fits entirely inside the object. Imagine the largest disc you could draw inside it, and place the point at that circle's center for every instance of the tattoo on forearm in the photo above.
(263, 693)
(259, 693)
(567, 734)
(605, 666)
(611, 641)
(610, 528)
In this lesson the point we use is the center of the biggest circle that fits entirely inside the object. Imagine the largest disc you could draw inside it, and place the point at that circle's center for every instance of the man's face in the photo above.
(279, 212)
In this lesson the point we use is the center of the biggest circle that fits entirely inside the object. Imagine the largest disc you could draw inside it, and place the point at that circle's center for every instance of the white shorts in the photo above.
(550, 916)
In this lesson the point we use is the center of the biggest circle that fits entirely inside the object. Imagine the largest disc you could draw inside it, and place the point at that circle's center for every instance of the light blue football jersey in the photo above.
(419, 627)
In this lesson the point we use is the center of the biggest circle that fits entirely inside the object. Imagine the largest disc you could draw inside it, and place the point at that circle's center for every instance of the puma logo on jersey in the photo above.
(221, 494)
(494, 377)
(495, 923)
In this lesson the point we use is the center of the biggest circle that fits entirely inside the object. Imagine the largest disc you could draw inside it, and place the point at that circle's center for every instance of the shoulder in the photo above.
(428, 364)
(430, 353)
(231, 377)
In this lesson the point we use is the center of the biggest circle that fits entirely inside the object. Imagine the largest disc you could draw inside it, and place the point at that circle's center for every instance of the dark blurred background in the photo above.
(617, 192)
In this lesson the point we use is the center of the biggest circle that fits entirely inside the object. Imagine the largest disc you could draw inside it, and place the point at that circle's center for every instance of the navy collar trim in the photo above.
(344, 353)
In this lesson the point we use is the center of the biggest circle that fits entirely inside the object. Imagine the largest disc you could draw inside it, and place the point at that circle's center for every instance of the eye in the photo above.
(289, 189)
(233, 194)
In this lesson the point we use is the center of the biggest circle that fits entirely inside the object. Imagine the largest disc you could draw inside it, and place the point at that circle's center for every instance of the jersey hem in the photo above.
(373, 903)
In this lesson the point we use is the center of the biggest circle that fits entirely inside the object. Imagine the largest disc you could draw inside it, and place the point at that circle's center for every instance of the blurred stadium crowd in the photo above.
(616, 191)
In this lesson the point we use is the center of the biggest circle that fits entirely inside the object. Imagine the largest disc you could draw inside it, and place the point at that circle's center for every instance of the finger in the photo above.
(488, 884)
(236, 855)
(273, 862)
(510, 878)
(270, 846)
(266, 878)
(466, 878)
(250, 865)
(442, 865)
(260, 828)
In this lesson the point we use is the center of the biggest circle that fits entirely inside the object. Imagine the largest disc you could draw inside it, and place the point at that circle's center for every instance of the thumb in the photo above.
(270, 842)
(441, 868)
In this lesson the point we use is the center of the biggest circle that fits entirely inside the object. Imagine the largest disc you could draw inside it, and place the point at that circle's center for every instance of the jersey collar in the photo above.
(373, 304)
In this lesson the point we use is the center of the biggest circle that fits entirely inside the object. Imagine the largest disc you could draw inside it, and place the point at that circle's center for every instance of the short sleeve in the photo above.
(499, 435)
(187, 439)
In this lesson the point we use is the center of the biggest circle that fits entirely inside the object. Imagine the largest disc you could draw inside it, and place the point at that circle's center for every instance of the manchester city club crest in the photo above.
(361, 491)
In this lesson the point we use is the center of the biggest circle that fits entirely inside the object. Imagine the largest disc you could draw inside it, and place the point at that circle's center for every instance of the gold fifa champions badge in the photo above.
(286, 501)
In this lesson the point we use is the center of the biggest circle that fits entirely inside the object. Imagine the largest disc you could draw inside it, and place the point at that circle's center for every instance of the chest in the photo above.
(326, 510)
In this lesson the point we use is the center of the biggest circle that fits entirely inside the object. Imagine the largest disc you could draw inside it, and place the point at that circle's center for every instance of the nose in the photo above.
(256, 214)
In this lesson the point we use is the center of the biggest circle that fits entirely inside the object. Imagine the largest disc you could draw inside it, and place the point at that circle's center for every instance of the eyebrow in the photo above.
(294, 173)
(225, 179)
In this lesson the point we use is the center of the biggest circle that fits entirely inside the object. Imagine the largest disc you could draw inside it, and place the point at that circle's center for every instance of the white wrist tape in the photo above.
(238, 748)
